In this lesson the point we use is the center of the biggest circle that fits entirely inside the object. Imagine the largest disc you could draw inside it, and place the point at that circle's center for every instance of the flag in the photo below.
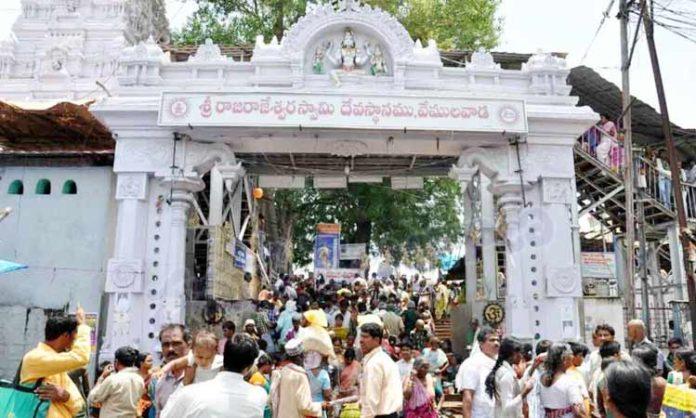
(8, 266)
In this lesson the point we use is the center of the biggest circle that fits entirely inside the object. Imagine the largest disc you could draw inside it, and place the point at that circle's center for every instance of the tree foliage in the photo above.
(410, 225)
(461, 24)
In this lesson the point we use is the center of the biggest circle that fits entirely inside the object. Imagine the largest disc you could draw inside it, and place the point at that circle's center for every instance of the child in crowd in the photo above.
(202, 363)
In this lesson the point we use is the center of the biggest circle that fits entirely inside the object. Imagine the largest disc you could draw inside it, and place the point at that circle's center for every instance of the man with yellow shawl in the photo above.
(314, 335)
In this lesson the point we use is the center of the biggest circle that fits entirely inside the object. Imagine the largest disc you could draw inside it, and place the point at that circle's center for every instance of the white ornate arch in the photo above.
(375, 21)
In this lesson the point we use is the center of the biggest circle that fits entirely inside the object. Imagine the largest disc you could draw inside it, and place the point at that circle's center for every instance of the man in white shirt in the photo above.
(605, 334)
(637, 337)
(381, 393)
(291, 394)
(119, 393)
(225, 395)
(471, 377)
(405, 363)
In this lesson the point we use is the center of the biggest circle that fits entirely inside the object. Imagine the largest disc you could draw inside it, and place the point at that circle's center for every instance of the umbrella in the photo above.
(8, 266)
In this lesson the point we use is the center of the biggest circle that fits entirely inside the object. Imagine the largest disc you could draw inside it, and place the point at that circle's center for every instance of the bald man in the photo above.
(637, 337)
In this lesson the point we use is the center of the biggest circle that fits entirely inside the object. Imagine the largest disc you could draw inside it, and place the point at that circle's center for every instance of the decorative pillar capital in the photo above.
(463, 175)
(182, 186)
(131, 186)
(230, 173)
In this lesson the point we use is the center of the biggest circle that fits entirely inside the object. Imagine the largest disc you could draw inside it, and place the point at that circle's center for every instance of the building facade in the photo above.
(346, 91)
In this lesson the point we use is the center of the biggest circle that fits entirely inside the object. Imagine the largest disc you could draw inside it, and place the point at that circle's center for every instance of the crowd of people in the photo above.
(368, 349)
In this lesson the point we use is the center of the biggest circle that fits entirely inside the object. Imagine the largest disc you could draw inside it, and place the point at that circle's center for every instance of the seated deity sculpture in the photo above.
(348, 59)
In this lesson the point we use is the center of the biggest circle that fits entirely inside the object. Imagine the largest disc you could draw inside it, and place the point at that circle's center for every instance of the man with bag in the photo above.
(66, 348)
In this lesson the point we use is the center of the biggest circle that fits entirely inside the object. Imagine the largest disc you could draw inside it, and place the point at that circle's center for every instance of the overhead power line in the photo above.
(605, 15)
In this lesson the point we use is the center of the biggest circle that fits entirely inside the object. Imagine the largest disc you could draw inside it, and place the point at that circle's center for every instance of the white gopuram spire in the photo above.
(59, 48)
(146, 19)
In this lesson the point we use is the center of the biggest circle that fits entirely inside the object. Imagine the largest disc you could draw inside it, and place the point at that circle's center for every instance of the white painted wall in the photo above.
(64, 239)
(604, 311)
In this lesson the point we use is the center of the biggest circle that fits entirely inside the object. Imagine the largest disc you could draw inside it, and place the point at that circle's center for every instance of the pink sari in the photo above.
(421, 403)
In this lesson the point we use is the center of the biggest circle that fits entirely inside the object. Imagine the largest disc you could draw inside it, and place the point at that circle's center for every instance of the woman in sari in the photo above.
(419, 392)
(442, 298)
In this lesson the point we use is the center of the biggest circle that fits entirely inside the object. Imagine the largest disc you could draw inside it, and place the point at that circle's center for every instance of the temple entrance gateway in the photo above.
(346, 97)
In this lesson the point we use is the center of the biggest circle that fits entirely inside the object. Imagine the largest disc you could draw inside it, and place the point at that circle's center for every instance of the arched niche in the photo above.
(16, 187)
(43, 186)
(372, 53)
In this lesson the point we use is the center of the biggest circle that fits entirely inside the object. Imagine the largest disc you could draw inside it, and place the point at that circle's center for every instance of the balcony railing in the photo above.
(655, 183)
(589, 142)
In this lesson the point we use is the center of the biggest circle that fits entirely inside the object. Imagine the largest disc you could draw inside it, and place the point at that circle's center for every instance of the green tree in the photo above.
(411, 225)
(460, 24)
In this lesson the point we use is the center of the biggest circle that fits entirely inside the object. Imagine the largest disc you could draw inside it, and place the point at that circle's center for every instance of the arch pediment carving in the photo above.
(369, 25)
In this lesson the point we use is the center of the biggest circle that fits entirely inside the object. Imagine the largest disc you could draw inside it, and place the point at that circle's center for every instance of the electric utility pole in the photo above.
(673, 164)
(628, 163)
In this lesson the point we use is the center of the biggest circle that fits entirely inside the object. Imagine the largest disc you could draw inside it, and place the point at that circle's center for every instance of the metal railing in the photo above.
(654, 182)
(612, 158)
(657, 184)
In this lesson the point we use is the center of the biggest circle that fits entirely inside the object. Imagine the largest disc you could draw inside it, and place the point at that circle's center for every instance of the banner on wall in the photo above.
(353, 251)
(240, 254)
(327, 246)
(92, 320)
(598, 265)
(339, 275)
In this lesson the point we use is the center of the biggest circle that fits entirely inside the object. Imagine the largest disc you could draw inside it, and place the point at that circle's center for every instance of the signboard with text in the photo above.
(348, 111)
(338, 275)
(598, 265)
(353, 251)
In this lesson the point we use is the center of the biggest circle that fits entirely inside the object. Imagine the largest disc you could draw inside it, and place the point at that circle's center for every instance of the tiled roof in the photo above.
(62, 130)
(181, 53)
(605, 98)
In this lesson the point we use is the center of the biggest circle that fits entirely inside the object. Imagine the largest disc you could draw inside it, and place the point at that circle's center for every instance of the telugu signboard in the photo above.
(351, 111)
(598, 265)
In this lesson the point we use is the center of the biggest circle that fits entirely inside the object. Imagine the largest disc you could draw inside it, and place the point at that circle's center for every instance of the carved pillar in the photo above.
(516, 303)
(124, 278)
(561, 268)
(179, 202)
(490, 259)
(469, 257)
(464, 176)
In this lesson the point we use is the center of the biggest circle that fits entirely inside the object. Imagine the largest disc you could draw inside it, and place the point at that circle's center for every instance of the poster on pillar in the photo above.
(326, 246)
